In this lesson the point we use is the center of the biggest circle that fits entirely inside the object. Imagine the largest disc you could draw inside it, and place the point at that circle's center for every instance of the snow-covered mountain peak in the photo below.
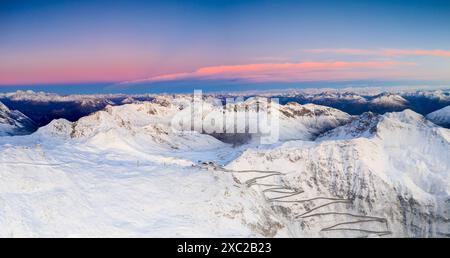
(390, 100)
(406, 116)
(370, 124)
(13, 122)
(319, 110)
(406, 137)
(61, 128)
(129, 117)
(364, 125)
(131, 127)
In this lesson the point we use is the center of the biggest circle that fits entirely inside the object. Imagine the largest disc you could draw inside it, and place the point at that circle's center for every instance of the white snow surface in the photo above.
(389, 100)
(124, 172)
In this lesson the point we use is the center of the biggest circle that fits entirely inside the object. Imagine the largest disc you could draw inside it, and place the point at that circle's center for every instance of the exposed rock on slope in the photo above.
(305, 122)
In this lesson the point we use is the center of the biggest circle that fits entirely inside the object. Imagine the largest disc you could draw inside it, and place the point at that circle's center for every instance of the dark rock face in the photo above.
(43, 112)
(234, 139)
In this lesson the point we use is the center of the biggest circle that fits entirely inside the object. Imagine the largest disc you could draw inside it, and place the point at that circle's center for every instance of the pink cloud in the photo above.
(286, 72)
(417, 52)
(344, 51)
(382, 52)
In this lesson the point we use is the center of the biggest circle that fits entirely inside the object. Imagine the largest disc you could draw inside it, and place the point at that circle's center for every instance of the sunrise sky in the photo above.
(153, 42)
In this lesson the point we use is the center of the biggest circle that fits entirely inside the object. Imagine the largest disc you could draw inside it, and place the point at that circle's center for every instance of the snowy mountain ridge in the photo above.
(385, 172)
(155, 118)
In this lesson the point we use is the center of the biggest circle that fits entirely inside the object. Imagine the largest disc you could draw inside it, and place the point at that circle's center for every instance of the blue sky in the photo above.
(95, 42)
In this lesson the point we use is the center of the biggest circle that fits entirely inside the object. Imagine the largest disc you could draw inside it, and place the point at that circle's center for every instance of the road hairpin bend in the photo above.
(285, 195)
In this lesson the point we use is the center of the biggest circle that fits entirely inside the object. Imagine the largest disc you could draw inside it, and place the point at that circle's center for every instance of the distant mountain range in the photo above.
(44, 107)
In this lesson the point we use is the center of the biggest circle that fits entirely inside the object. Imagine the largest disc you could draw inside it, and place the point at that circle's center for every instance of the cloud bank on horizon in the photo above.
(286, 72)
(382, 52)
(127, 42)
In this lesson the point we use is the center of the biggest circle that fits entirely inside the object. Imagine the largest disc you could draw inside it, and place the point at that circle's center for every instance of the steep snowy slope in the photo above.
(440, 117)
(13, 122)
(305, 122)
(132, 126)
(380, 175)
(389, 100)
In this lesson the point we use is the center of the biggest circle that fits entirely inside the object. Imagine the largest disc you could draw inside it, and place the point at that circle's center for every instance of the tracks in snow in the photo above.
(285, 195)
